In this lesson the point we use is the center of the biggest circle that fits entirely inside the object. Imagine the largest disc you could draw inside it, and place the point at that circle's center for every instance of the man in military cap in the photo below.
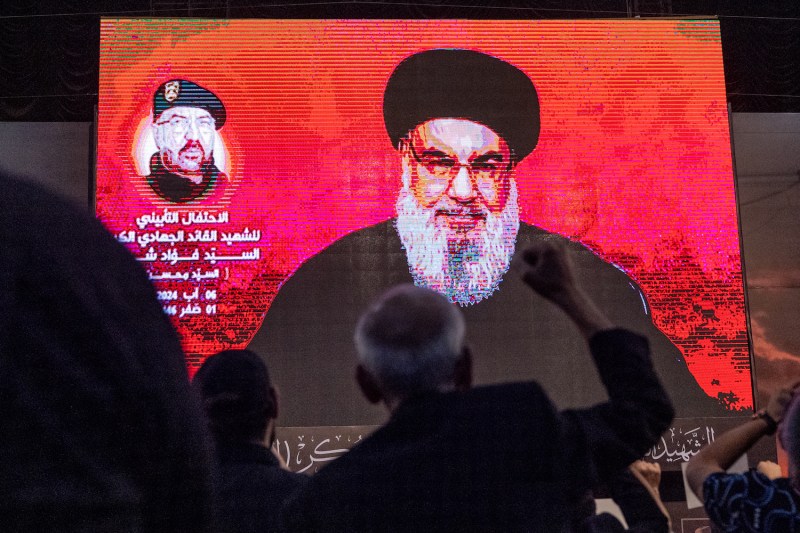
(461, 121)
(185, 119)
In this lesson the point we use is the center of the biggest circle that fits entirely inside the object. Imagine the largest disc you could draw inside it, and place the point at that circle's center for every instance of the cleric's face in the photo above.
(457, 213)
(185, 138)
(458, 163)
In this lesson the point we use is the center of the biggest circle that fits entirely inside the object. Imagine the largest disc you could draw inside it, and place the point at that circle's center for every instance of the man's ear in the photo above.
(276, 402)
(462, 372)
(368, 384)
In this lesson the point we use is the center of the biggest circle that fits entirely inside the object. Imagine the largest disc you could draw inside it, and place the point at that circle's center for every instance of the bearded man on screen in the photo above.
(186, 118)
(457, 213)
(461, 121)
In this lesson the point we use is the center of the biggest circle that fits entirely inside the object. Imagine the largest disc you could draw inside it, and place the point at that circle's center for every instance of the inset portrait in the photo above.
(186, 120)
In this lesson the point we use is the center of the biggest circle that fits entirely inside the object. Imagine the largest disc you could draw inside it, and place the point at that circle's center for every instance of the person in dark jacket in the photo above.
(241, 406)
(493, 458)
(100, 431)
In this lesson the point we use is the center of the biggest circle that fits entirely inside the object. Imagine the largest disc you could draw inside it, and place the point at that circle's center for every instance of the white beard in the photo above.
(465, 267)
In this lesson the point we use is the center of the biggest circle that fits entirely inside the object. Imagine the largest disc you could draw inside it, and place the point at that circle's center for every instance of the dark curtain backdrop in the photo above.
(49, 48)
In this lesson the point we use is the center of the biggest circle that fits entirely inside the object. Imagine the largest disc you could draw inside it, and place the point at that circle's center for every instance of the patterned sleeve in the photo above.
(750, 502)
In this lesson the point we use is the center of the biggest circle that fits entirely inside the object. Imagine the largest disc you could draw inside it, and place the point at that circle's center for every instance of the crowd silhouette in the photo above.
(102, 430)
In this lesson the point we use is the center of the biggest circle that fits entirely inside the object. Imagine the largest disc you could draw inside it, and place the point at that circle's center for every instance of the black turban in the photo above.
(184, 93)
(453, 83)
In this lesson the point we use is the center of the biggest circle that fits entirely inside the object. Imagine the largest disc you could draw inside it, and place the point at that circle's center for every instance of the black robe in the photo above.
(515, 335)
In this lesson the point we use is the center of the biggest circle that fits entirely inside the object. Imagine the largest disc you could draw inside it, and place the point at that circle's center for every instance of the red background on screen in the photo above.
(634, 157)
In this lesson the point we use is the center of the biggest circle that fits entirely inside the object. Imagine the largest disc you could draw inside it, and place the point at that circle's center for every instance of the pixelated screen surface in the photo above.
(230, 152)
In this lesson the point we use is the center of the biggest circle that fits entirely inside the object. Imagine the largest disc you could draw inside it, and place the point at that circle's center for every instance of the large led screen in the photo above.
(274, 176)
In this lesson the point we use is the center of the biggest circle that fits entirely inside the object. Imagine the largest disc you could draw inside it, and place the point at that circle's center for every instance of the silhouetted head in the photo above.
(238, 397)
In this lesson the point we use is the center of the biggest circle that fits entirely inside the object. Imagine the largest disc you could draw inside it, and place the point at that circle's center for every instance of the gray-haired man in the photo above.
(495, 458)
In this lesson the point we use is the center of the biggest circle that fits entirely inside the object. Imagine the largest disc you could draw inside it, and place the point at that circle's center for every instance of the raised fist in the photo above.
(546, 268)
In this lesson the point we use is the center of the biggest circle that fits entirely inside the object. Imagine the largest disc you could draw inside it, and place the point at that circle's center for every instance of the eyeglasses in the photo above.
(181, 124)
(488, 167)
